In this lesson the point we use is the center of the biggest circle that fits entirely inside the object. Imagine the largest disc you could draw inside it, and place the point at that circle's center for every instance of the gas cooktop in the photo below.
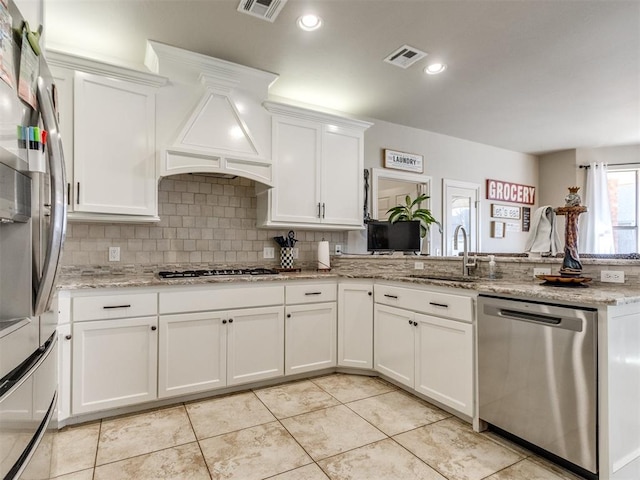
(217, 272)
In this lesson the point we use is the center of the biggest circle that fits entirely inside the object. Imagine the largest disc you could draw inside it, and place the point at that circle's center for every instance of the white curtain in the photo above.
(596, 233)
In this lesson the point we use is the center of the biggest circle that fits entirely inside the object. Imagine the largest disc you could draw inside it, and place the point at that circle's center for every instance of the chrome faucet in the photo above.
(466, 264)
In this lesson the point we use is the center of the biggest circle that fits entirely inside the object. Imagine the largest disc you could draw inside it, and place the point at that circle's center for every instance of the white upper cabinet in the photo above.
(318, 163)
(107, 122)
(114, 146)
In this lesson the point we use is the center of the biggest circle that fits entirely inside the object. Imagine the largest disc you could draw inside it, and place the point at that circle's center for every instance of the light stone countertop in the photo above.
(593, 295)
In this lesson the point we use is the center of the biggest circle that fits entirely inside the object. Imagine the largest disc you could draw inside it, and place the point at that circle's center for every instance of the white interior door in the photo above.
(461, 202)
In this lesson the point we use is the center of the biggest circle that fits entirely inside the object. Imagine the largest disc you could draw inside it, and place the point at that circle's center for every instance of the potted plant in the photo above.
(411, 211)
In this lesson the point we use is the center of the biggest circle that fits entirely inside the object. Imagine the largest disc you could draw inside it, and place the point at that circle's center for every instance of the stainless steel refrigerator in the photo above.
(32, 228)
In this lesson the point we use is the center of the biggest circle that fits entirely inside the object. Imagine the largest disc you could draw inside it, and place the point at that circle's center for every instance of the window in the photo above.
(623, 201)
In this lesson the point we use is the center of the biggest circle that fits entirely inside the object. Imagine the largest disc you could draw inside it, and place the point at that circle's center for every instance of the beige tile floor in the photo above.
(339, 427)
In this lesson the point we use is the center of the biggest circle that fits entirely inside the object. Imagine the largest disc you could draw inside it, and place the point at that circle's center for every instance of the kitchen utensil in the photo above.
(280, 241)
(290, 240)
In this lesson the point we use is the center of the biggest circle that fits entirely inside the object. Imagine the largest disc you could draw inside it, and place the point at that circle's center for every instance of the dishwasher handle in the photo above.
(532, 317)
(573, 323)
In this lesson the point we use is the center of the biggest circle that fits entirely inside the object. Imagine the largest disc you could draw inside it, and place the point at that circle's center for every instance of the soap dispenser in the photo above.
(492, 267)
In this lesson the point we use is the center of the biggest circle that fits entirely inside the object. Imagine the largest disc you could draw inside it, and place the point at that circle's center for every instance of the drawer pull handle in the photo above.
(443, 305)
(109, 307)
(391, 296)
(313, 293)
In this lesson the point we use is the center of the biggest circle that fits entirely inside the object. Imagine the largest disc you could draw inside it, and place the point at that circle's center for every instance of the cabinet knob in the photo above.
(154, 328)
(67, 337)
(415, 324)
(288, 315)
(369, 293)
(231, 320)
(224, 322)
(410, 322)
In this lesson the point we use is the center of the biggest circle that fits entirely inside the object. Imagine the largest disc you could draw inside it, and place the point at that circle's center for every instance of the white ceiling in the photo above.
(526, 75)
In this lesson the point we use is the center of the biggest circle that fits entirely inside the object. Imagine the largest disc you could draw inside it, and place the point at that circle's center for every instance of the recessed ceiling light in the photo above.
(435, 68)
(309, 22)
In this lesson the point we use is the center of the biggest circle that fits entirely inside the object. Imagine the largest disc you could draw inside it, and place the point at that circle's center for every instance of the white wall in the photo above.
(561, 170)
(610, 155)
(455, 159)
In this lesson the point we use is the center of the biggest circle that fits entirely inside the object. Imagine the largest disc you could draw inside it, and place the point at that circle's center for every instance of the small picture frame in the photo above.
(409, 162)
(497, 229)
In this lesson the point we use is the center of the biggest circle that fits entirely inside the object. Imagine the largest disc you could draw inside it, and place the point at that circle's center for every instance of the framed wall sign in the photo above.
(512, 227)
(505, 211)
(497, 229)
(526, 218)
(409, 162)
(510, 192)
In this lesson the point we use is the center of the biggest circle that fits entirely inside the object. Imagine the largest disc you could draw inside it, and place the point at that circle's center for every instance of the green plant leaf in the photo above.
(403, 213)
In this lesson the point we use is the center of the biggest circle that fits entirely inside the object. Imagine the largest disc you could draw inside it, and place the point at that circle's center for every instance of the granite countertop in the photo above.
(593, 295)
(77, 282)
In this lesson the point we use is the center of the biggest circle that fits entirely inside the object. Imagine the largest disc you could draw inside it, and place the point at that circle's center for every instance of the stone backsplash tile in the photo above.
(203, 220)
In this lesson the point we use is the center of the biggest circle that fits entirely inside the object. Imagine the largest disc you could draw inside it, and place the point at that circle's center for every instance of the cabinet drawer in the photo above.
(449, 305)
(434, 303)
(220, 298)
(114, 306)
(311, 293)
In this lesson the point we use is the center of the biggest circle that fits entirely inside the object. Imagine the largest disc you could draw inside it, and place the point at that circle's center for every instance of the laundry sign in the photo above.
(409, 162)
(510, 192)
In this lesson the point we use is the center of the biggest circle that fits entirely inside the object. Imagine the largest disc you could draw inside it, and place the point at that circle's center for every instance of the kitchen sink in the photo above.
(445, 278)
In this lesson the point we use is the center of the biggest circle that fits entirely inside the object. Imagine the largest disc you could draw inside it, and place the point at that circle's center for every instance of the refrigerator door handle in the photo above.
(45, 286)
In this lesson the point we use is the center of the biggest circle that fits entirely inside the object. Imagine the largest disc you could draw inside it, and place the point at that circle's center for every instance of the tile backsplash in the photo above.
(203, 220)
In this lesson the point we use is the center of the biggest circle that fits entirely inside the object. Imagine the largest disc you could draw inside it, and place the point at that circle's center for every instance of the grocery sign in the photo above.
(510, 192)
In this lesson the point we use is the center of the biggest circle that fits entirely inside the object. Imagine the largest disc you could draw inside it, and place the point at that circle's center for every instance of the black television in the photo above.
(393, 237)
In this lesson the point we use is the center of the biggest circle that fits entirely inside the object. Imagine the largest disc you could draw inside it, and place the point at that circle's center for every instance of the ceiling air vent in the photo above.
(264, 9)
(405, 56)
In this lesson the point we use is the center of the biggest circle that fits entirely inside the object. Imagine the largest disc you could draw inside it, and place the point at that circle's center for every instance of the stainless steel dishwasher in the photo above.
(537, 376)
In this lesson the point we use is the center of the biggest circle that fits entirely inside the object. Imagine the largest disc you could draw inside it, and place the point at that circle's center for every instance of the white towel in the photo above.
(543, 235)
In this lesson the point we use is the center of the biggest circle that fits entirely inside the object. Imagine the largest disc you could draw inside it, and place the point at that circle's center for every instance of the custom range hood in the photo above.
(210, 118)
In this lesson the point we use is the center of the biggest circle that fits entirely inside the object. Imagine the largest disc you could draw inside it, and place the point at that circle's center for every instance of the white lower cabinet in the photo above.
(444, 361)
(192, 353)
(310, 326)
(395, 344)
(114, 363)
(129, 346)
(204, 351)
(255, 344)
(355, 324)
(310, 337)
(430, 354)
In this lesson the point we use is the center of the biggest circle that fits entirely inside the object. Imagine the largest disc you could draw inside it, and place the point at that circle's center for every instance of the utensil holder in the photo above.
(286, 257)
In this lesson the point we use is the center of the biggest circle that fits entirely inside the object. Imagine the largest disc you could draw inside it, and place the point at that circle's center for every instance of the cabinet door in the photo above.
(192, 353)
(63, 79)
(355, 325)
(255, 344)
(114, 146)
(394, 345)
(342, 177)
(296, 150)
(310, 337)
(444, 361)
(114, 363)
